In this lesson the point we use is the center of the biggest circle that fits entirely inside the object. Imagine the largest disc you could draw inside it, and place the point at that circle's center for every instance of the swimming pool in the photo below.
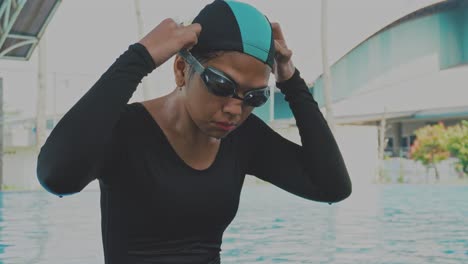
(377, 224)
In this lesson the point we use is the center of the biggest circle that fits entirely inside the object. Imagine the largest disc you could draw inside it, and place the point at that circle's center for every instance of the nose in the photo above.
(233, 106)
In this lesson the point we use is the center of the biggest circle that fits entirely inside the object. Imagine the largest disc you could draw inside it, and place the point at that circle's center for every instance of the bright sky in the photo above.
(86, 36)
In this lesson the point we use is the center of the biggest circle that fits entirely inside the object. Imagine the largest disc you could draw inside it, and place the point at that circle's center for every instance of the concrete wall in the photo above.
(19, 169)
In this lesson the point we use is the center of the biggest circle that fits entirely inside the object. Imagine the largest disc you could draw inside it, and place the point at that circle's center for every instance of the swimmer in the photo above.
(171, 169)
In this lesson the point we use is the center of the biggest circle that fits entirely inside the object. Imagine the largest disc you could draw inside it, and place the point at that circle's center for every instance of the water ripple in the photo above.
(381, 224)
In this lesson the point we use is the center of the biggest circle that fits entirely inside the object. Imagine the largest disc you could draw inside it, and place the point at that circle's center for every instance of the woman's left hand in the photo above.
(283, 67)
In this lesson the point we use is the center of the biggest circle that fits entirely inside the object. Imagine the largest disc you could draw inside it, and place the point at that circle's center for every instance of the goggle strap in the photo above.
(191, 60)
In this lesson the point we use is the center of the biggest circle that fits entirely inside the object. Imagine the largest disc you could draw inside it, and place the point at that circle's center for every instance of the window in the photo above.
(389, 143)
(404, 142)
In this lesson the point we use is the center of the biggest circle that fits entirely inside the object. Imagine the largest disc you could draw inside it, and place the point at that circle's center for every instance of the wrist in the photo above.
(141, 50)
(285, 71)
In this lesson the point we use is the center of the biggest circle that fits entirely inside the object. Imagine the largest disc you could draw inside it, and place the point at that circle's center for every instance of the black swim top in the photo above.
(154, 207)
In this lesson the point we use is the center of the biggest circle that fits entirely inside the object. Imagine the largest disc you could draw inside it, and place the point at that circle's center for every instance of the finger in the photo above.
(282, 51)
(192, 40)
(191, 32)
(278, 47)
(277, 32)
(195, 27)
(282, 54)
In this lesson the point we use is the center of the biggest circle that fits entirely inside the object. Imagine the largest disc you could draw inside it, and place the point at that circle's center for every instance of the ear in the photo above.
(180, 71)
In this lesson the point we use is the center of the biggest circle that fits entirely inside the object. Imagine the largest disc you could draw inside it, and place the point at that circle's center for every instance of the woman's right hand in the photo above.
(168, 38)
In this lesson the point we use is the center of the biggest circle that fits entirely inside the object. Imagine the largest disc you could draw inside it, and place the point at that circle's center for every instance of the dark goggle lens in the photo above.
(257, 97)
(218, 84)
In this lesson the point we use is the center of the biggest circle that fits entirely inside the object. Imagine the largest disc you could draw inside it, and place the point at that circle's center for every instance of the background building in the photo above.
(412, 73)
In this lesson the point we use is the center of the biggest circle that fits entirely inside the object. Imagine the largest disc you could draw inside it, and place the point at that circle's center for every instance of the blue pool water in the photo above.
(377, 224)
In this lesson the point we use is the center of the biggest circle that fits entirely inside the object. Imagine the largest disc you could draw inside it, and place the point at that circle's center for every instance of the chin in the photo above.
(218, 134)
(213, 132)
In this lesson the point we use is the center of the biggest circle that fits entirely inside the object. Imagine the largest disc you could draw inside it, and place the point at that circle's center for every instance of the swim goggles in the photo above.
(220, 84)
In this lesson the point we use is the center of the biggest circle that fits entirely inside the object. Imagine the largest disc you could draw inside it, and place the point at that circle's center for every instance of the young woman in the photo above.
(171, 169)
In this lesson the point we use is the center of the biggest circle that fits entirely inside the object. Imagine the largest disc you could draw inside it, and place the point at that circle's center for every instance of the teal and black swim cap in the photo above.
(235, 26)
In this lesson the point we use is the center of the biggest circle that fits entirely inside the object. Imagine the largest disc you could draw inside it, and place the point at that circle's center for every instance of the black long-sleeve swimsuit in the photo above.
(154, 207)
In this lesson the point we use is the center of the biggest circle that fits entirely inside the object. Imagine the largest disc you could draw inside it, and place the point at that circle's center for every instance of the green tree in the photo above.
(457, 144)
(430, 146)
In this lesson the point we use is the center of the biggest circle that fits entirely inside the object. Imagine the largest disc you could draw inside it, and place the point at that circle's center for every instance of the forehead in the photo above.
(244, 69)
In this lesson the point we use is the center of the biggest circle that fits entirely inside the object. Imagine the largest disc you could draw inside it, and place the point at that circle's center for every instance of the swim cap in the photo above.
(235, 26)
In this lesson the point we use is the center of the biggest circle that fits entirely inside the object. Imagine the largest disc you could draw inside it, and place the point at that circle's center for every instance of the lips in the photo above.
(225, 126)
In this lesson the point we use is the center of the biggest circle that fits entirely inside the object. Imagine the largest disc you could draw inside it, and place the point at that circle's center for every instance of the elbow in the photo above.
(52, 181)
(327, 194)
(339, 194)
(334, 197)
(52, 187)
(53, 184)
(333, 192)
(340, 188)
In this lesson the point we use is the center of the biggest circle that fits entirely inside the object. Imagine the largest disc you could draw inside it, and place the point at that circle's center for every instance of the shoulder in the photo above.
(131, 110)
(139, 126)
(134, 113)
(131, 119)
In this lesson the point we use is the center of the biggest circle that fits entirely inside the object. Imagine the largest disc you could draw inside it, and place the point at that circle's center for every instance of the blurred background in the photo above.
(390, 77)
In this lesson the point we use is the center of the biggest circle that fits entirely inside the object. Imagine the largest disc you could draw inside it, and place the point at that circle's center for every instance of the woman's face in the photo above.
(216, 116)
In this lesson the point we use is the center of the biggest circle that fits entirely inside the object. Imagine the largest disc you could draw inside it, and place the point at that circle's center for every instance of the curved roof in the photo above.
(425, 11)
(415, 68)
(22, 24)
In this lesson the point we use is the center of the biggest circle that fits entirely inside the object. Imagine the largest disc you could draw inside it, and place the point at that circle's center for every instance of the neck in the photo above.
(180, 122)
